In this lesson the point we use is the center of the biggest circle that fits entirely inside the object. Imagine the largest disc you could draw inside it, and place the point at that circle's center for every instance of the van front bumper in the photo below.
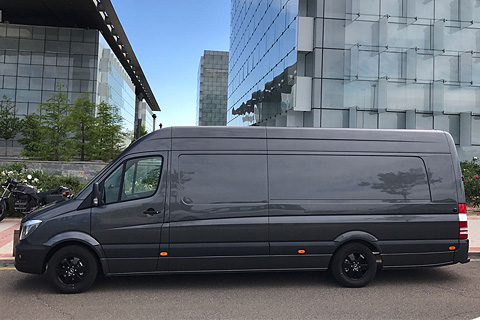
(29, 258)
(461, 255)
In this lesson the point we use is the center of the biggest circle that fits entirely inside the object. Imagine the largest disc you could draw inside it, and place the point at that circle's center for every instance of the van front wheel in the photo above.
(353, 265)
(72, 269)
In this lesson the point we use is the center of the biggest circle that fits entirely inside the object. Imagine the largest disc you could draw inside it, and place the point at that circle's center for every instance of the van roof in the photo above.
(326, 139)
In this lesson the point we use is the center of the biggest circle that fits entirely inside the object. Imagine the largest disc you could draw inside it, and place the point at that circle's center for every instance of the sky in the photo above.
(168, 38)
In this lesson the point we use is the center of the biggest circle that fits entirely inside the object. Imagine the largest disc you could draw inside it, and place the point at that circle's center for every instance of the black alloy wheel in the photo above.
(72, 269)
(353, 265)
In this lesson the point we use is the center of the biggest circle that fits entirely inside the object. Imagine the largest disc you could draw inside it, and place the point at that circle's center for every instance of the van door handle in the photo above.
(151, 211)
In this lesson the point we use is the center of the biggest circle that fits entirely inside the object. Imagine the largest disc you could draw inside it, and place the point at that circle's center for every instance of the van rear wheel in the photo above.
(72, 269)
(353, 265)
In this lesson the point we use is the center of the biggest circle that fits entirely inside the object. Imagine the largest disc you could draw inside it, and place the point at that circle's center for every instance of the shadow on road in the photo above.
(273, 280)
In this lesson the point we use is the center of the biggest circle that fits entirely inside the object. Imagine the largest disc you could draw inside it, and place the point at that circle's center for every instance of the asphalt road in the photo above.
(451, 292)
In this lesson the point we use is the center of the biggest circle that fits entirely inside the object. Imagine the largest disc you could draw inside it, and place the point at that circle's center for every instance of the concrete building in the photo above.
(212, 89)
(358, 64)
(79, 44)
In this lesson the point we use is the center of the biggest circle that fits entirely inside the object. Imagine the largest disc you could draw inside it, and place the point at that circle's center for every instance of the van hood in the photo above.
(53, 210)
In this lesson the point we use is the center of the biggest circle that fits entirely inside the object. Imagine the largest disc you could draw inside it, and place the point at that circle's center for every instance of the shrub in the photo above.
(41, 180)
(471, 181)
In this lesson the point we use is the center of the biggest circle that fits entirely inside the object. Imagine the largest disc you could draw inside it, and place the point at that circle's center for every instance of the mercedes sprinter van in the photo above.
(228, 199)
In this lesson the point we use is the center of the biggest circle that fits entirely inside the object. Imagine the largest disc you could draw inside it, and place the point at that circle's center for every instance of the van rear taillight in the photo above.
(463, 223)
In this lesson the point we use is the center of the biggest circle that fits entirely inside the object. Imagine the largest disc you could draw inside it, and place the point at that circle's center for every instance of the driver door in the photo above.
(129, 221)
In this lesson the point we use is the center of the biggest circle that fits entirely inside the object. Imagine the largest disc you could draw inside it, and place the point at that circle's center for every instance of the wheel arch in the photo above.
(365, 238)
(76, 238)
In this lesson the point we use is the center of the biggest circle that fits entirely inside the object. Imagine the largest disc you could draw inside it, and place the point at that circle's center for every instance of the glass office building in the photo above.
(263, 57)
(212, 89)
(114, 85)
(35, 59)
(358, 64)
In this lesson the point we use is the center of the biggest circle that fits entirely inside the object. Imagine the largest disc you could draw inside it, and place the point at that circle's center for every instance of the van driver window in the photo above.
(140, 180)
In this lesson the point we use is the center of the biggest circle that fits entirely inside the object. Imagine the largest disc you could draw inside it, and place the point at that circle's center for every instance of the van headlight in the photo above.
(28, 228)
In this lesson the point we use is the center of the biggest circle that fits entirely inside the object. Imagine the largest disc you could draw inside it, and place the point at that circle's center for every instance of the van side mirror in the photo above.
(96, 199)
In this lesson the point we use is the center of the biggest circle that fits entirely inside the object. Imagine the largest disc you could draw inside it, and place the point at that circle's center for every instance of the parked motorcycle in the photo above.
(27, 198)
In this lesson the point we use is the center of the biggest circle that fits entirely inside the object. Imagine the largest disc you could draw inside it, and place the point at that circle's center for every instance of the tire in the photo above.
(72, 269)
(353, 265)
(3, 209)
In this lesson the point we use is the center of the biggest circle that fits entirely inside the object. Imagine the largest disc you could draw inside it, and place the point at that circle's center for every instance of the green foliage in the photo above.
(31, 141)
(41, 180)
(9, 123)
(143, 131)
(63, 132)
(46, 135)
(471, 181)
(56, 125)
(109, 127)
(83, 127)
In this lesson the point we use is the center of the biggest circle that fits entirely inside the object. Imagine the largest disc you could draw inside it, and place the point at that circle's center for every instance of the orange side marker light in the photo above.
(452, 248)
(301, 251)
(164, 254)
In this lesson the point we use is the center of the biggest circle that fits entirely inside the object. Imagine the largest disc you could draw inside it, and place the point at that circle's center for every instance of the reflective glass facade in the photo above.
(378, 64)
(115, 86)
(212, 89)
(33, 60)
(263, 58)
(146, 115)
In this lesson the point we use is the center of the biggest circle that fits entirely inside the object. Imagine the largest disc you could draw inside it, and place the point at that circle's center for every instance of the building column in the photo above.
(280, 121)
(154, 116)
(411, 119)
(138, 116)
(294, 118)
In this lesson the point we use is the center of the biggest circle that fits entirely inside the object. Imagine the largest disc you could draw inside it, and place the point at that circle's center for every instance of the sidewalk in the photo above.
(8, 225)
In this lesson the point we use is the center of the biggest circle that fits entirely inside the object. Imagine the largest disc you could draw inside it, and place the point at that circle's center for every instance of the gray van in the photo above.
(226, 199)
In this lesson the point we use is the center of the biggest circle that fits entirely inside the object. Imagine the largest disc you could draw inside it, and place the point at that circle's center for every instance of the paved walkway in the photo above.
(474, 233)
(8, 225)
(6, 237)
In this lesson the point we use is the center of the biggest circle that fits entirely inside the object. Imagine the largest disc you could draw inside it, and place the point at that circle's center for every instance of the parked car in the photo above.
(223, 199)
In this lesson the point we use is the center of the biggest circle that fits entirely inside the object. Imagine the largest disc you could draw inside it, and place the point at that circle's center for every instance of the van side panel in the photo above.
(401, 193)
(219, 210)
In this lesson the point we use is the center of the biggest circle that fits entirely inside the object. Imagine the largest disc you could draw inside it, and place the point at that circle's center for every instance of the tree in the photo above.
(109, 126)
(143, 131)
(54, 116)
(83, 125)
(9, 123)
(32, 132)
(47, 135)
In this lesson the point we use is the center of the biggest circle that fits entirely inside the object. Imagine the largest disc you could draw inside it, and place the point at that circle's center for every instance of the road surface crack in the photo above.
(46, 304)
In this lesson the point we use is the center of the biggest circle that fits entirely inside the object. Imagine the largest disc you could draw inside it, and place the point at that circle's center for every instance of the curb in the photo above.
(10, 262)
(7, 263)
(474, 255)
